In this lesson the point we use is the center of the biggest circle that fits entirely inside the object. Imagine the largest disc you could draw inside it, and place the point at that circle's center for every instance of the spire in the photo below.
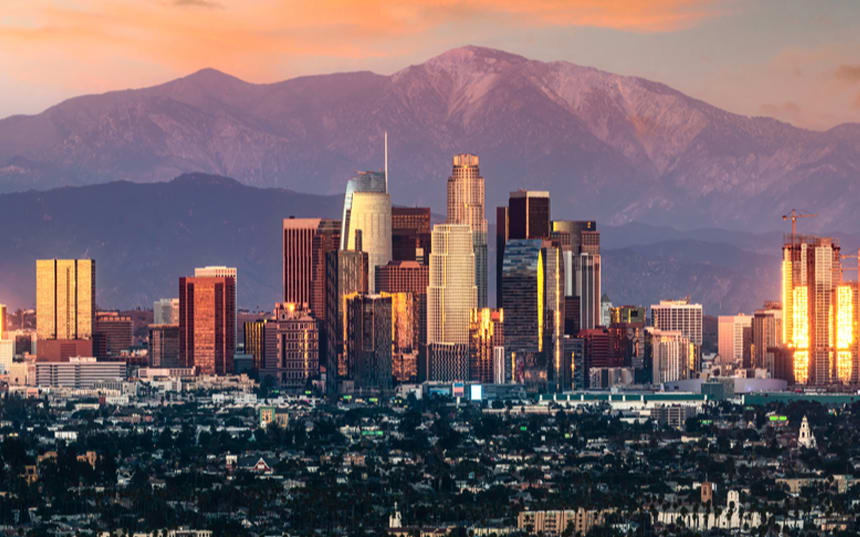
(386, 162)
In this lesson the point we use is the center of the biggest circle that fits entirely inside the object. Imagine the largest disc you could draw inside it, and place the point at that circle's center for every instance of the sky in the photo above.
(796, 60)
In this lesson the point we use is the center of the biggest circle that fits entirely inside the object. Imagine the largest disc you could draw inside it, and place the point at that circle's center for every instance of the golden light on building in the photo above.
(844, 332)
(799, 321)
(787, 296)
(692, 358)
(540, 300)
(801, 366)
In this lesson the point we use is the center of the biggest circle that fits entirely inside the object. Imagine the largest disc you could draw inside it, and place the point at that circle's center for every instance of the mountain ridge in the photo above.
(615, 148)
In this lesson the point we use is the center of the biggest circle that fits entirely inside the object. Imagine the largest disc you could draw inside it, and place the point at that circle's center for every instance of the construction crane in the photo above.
(856, 256)
(794, 216)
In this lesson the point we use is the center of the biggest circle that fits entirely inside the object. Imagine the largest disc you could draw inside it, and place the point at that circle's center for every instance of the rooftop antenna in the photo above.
(386, 162)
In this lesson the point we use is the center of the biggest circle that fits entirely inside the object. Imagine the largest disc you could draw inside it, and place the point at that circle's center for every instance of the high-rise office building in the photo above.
(532, 280)
(165, 311)
(7, 344)
(445, 362)
(221, 271)
(466, 206)
(113, 334)
(627, 314)
(730, 336)
(207, 314)
(819, 315)
(363, 182)
(371, 214)
(452, 293)
(369, 341)
(164, 345)
(527, 216)
(306, 243)
(580, 242)
(290, 347)
(766, 335)
(486, 333)
(410, 234)
(65, 298)
(681, 315)
(671, 352)
(346, 275)
(403, 277)
(4, 334)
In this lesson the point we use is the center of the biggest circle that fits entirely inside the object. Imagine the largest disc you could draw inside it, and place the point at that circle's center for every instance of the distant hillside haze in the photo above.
(617, 149)
(145, 236)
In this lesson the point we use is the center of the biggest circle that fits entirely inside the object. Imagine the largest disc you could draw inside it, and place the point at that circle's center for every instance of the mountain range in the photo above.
(618, 149)
(144, 236)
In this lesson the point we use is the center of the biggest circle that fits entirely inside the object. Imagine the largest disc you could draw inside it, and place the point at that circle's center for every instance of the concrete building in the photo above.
(446, 362)
(671, 353)
(466, 206)
(681, 315)
(207, 315)
(165, 311)
(164, 345)
(78, 372)
(730, 336)
(290, 347)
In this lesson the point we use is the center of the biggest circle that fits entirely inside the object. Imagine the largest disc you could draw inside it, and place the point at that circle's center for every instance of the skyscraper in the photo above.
(113, 334)
(290, 347)
(682, 316)
(730, 336)
(207, 314)
(466, 206)
(532, 279)
(819, 315)
(219, 272)
(363, 182)
(164, 345)
(346, 275)
(671, 352)
(65, 298)
(527, 216)
(369, 341)
(410, 234)
(452, 293)
(580, 242)
(306, 243)
(486, 333)
(766, 335)
(371, 214)
(3, 327)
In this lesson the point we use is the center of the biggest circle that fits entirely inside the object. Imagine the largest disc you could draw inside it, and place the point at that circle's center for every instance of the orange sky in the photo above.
(51, 50)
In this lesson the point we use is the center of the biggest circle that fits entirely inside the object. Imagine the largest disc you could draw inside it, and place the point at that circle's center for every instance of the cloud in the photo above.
(848, 73)
(198, 3)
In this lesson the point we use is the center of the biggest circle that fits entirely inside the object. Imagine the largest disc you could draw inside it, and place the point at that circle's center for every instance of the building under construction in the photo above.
(819, 312)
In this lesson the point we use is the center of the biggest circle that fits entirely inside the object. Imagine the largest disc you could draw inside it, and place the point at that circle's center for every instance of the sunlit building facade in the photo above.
(207, 314)
(486, 333)
(685, 317)
(819, 315)
(371, 214)
(730, 336)
(466, 206)
(65, 298)
(452, 293)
